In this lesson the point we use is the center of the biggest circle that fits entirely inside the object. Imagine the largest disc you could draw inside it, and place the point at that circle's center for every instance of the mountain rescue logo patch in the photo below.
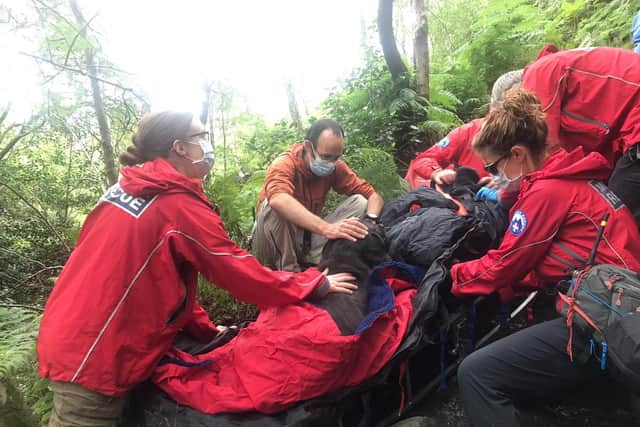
(134, 206)
(518, 223)
(444, 142)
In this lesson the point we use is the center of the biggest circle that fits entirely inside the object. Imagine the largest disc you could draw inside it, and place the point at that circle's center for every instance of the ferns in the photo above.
(18, 333)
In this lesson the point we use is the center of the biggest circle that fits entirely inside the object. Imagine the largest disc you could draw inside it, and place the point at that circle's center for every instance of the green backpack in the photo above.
(603, 303)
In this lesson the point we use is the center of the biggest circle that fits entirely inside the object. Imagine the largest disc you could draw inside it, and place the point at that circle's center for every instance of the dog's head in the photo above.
(357, 257)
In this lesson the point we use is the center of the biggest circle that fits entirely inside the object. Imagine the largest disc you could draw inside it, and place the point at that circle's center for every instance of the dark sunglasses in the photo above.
(492, 167)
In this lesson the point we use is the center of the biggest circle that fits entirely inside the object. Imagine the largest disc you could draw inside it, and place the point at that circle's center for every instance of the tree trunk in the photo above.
(293, 105)
(111, 170)
(421, 49)
(204, 109)
(224, 135)
(389, 48)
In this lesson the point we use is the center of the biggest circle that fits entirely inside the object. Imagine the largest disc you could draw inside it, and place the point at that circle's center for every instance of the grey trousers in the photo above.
(278, 244)
(531, 364)
(76, 406)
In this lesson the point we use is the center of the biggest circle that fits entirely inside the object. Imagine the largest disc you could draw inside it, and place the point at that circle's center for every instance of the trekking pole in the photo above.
(603, 224)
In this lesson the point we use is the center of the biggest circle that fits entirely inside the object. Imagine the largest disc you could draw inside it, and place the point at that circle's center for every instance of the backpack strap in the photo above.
(573, 308)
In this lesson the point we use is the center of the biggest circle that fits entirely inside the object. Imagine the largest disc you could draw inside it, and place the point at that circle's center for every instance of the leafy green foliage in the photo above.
(378, 168)
(223, 308)
(584, 23)
(237, 197)
(18, 333)
(377, 112)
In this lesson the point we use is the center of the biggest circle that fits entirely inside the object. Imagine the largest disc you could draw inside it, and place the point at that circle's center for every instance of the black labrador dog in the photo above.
(357, 258)
(339, 256)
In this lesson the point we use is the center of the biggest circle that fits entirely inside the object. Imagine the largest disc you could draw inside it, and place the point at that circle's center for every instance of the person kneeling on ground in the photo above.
(288, 226)
(130, 284)
(553, 224)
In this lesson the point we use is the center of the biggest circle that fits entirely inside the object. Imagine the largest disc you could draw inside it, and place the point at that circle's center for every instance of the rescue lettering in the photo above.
(134, 206)
(607, 194)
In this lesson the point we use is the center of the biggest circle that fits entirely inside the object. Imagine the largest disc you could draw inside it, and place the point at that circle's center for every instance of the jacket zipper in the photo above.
(586, 120)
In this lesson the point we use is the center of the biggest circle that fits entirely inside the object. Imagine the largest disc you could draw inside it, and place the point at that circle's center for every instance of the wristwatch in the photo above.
(372, 217)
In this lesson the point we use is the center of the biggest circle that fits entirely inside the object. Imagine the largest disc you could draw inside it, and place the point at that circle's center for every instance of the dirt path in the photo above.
(444, 409)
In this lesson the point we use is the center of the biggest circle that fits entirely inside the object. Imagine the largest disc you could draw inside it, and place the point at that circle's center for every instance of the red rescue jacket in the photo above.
(130, 283)
(555, 221)
(454, 149)
(591, 98)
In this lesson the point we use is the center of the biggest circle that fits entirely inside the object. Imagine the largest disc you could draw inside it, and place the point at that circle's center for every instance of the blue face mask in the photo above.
(320, 167)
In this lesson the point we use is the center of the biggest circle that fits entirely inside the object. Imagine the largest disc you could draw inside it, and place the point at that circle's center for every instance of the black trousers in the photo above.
(625, 180)
(530, 364)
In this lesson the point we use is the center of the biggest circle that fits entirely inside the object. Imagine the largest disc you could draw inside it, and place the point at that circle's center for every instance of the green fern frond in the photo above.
(443, 115)
(445, 99)
(18, 333)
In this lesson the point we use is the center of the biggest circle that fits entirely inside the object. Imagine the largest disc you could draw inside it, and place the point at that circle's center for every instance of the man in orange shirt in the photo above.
(289, 230)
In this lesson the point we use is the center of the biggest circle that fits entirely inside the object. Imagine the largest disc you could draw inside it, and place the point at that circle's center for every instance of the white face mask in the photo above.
(203, 165)
(510, 185)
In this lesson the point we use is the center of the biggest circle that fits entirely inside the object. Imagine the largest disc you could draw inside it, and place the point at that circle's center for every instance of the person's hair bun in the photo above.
(155, 136)
(520, 104)
(518, 120)
(132, 156)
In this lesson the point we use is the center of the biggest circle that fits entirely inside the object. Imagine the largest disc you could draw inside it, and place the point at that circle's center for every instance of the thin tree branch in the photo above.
(78, 33)
(15, 140)
(55, 12)
(8, 129)
(22, 256)
(4, 114)
(53, 267)
(84, 73)
(40, 215)
(27, 307)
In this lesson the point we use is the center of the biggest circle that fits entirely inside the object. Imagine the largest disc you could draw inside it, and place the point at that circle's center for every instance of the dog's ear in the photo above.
(374, 249)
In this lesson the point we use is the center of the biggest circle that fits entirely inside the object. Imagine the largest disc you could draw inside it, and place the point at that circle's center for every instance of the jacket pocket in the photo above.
(584, 131)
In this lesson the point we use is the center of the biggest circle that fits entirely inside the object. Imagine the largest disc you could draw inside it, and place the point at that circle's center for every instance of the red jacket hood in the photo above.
(548, 49)
(159, 176)
(574, 165)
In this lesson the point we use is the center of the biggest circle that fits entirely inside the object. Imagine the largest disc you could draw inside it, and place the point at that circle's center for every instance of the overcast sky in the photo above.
(172, 47)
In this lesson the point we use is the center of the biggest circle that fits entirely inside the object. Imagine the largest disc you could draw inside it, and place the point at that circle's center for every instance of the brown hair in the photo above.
(155, 136)
(518, 120)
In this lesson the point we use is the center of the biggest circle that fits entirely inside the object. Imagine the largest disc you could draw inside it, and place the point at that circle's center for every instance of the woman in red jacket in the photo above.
(553, 227)
(591, 99)
(130, 284)
(454, 150)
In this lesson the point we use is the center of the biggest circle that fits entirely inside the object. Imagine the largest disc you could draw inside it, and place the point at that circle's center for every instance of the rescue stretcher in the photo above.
(442, 331)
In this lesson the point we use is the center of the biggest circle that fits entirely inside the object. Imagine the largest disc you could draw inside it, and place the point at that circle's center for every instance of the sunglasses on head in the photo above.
(492, 167)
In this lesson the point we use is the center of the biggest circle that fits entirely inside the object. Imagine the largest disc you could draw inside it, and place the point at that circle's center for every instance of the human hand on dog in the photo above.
(350, 228)
(339, 282)
(444, 176)
(487, 181)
